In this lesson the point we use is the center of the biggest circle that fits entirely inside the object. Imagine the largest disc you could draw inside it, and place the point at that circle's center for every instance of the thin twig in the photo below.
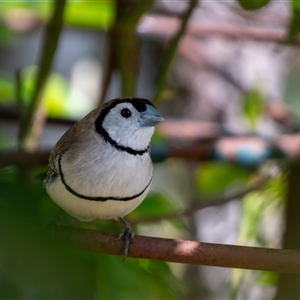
(109, 69)
(51, 38)
(210, 202)
(187, 252)
(19, 98)
(163, 72)
(283, 166)
(24, 159)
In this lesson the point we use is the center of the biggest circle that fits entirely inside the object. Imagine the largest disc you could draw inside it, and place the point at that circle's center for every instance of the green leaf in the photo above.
(253, 4)
(214, 177)
(253, 107)
(84, 13)
(32, 262)
(135, 279)
(294, 24)
(7, 36)
(56, 100)
(267, 278)
(7, 95)
(154, 204)
(93, 14)
(259, 208)
(38, 266)
(55, 95)
(258, 205)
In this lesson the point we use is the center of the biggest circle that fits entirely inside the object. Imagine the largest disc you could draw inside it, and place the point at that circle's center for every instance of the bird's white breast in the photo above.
(87, 210)
(98, 173)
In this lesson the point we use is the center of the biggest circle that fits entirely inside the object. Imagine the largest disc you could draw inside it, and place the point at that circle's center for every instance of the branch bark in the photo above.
(24, 159)
(188, 252)
(164, 27)
(217, 148)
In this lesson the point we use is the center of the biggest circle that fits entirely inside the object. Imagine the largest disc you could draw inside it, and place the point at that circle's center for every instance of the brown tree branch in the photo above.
(24, 159)
(187, 252)
(164, 27)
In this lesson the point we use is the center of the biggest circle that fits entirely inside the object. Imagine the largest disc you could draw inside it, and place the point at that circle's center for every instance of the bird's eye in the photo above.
(126, 113)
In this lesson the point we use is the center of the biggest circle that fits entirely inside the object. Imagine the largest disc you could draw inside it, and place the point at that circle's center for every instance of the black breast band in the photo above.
(103, 199)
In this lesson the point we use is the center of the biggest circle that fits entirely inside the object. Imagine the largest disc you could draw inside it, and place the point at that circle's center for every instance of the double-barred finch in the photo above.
(101, 167)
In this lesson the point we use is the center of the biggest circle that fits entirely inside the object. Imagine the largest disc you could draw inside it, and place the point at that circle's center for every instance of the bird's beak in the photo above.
(150, 117)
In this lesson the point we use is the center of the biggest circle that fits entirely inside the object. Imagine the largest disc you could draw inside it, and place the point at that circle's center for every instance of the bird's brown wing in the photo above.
(61, 147)
(71, 136)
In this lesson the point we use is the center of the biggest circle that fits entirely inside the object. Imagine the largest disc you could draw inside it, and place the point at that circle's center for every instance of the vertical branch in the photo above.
(163, 72)
(109, 69)
(128, 15)
(124, 46)
(288, 286)
(33, 120)
(19, 92)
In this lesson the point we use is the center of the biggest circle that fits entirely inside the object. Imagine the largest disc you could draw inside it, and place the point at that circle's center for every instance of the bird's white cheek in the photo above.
(136, 138)
(140, 139)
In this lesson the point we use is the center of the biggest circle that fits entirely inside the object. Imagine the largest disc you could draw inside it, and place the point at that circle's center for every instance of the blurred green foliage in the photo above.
(7, 90)
(292, 90)
(294, 25)
(253, 107)
(253, 4)
(139, 279)
(260, 212)
(92, 14)
(56, 100)
(258, 222)
(6, 35)
(35, 264)
(154, 203)
(213, 178)
(82, 13)
(55, 94)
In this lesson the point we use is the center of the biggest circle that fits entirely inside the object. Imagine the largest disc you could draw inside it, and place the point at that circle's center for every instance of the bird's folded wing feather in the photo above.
(61, 147)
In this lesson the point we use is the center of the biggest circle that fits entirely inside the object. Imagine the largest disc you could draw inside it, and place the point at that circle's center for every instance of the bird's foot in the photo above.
(128, 235)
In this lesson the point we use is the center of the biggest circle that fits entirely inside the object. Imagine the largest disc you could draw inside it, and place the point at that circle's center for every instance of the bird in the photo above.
(101, 167)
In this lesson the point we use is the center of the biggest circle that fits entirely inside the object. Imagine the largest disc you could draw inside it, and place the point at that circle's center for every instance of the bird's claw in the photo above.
(128, 235)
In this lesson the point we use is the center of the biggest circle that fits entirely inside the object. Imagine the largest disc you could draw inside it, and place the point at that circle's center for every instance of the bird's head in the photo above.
(129, 122)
